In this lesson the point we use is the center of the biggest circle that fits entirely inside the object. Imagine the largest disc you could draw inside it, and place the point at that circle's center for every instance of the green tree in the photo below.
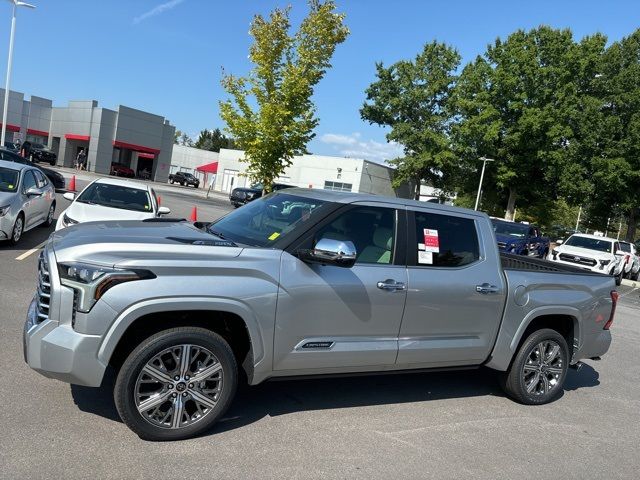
(270, 113)
(412, 98)
(181, 138)
(526, 103)
(213, 140)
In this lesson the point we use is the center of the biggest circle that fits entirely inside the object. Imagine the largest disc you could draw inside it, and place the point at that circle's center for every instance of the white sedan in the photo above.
(111, 199)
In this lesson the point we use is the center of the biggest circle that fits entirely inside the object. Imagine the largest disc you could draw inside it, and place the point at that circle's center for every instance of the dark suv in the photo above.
(42, 153)
(240, 196)
(56, 179)
(184, 178)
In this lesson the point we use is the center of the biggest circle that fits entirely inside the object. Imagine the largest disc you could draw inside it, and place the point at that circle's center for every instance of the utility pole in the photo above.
(484, 164)
(579, 213)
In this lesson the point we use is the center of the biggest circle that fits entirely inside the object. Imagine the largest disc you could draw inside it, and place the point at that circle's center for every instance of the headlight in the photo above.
(4, 210)
(67, 220)
(92, 281)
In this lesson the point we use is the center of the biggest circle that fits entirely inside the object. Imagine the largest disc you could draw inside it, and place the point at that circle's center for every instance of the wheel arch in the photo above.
(233, 321)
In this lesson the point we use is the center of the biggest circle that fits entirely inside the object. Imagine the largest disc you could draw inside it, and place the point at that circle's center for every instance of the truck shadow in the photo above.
(284, 397)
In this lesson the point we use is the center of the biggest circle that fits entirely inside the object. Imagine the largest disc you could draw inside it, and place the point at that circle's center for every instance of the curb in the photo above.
(631, 283)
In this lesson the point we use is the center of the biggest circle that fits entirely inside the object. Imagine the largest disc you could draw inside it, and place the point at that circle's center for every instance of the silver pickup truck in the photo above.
(302, 282)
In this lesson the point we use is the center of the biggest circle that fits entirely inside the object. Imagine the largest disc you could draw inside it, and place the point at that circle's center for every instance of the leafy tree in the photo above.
(412, 97)
(213, 140)
(525, 103)
(270, 113)
(176, 136)
(181, 138)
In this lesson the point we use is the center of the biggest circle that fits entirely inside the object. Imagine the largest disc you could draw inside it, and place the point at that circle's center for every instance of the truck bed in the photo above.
(518, 262)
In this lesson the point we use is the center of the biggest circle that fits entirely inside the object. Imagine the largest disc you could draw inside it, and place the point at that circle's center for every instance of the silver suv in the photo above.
(302, 282)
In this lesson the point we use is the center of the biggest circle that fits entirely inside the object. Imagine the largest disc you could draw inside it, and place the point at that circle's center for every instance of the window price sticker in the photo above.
(431, 241)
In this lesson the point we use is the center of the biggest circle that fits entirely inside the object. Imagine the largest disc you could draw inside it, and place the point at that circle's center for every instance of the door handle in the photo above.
(485, 289)
(391, 285)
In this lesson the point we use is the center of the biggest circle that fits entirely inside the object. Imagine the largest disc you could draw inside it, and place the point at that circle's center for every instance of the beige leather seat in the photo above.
(380, 251)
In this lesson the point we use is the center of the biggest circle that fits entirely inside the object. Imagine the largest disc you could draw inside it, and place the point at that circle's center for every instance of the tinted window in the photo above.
(625, 247)
(598, 244)
(8, 180)
(371, 229)
(116, 196)
(444, 240)
(512, 229)
(28, 181)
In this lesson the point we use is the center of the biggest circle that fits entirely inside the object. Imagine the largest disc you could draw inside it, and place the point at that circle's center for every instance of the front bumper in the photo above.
(57, 351)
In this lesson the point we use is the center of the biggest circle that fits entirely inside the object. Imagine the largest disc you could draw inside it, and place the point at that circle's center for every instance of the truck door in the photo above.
(456, 290)
(335, 319)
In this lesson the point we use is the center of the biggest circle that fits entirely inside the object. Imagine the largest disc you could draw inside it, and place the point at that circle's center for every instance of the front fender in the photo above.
(175, 304)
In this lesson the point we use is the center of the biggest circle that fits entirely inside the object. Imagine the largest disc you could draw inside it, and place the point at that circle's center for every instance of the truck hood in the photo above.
(583, 252)
(137, 243)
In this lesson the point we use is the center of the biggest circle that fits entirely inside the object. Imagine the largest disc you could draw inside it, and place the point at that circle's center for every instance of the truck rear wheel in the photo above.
(538, 371)
(176, 384)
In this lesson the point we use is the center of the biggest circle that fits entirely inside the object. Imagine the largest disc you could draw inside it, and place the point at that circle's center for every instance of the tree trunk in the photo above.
(416, 194)
(511, 205)
(631, 225)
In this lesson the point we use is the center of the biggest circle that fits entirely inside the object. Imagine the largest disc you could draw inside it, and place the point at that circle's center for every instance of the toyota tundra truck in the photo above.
(299, 283)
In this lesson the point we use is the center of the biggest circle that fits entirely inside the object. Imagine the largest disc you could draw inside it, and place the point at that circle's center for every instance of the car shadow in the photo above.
(277, 398)
(30, 239)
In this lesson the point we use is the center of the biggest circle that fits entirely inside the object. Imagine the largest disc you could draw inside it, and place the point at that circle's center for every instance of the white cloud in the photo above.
(157, 10)
(354, 146)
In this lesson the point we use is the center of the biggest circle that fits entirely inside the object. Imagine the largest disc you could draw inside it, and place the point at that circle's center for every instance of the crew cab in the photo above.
(520, 238)
(591, 252)
(302, 282)
(184, 178)
(243, 195)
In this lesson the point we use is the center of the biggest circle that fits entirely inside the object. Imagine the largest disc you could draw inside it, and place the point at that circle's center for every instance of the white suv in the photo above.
(630, 260)
(597, 254)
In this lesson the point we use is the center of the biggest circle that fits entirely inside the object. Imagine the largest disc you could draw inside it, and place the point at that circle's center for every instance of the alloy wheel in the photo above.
(543, 368)
(179, 386)
(17, 229)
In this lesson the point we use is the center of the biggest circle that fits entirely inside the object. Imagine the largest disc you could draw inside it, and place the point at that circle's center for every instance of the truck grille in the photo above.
(44, 289)
(502, 245)
(590, 262)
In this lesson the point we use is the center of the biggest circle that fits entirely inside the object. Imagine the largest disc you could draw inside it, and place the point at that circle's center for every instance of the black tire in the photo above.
(634, 276)
(619, 278)
(127, 376)
(47, 223)
(513, 381)
(52, 163)
(15, 235)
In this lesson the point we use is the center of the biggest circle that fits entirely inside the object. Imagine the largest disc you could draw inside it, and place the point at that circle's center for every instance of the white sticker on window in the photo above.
(421, 246)
(431, 241)
(425, 258)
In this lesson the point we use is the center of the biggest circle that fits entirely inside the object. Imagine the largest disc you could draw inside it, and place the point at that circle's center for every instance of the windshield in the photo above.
(512, 229)
(625, 247)
(262, 222)
(116, 196)
(8, 180)
(599, 244)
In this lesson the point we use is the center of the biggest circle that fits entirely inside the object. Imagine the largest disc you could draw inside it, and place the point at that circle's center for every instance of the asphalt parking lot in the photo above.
(426, 425)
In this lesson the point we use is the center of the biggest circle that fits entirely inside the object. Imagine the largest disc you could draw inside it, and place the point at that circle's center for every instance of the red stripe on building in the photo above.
(40, 133)
(137, 148)
(11, 128)
(73, 136)
(146, 155)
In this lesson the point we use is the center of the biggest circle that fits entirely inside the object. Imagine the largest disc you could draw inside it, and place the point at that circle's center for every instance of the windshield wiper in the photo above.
(217, 234)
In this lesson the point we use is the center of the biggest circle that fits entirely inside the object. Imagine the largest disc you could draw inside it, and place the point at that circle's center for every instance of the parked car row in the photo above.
(243, 195)
(54, 177)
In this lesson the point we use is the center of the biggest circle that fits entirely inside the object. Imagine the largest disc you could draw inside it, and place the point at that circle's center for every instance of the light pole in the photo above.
(484, 164)
(15, 4)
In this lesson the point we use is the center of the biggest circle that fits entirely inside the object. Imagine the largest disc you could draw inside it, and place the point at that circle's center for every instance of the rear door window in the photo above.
(443, 240)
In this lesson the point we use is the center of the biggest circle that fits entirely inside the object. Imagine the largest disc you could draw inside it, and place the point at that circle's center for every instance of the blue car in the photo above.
(520, 238)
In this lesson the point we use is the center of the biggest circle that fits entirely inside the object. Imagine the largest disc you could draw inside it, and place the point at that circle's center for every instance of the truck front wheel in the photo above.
(176, 384)
(538, 371)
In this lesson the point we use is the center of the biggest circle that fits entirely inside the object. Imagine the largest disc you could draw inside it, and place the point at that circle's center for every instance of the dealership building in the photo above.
(144, 142)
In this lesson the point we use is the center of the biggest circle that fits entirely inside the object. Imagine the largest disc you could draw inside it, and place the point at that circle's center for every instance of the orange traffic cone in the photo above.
(72, 184)
(194, 214)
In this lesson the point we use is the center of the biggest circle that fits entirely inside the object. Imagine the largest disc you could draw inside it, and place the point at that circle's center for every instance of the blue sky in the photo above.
(166, 56)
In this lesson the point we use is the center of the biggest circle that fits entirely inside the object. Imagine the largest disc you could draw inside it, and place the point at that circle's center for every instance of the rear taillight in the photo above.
(614, 302)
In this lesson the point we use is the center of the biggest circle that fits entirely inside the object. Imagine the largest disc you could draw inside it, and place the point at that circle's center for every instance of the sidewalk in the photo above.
(158, 186)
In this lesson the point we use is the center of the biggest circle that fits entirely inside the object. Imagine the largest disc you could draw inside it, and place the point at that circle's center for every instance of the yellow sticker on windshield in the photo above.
(146, 207)
(10, 187)
(274, 235)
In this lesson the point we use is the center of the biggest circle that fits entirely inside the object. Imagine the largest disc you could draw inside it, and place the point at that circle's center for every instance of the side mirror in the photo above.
(164, 211)
(559, 241)
(341, 253)
(69, 196)
(33, 192)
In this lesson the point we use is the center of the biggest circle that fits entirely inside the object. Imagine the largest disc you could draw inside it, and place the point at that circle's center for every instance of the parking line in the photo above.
(32, 251)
